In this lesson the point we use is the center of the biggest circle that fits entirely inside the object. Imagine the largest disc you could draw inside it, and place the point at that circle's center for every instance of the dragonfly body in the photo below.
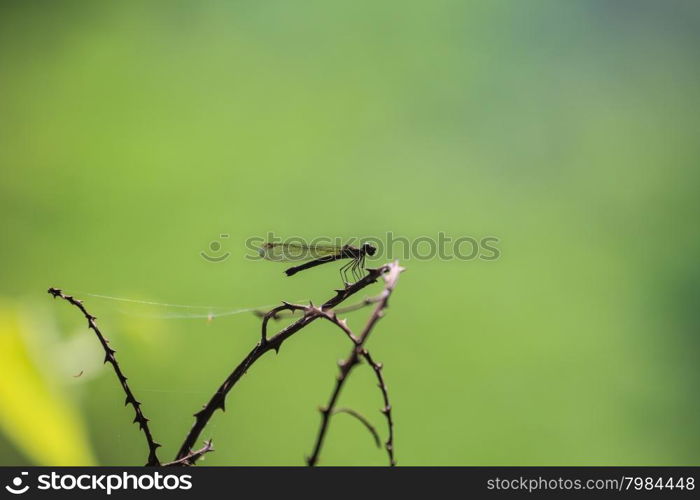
(313, 263)
(315, 255)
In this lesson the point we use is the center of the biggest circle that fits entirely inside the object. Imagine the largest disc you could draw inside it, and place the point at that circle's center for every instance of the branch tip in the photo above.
(274, 343)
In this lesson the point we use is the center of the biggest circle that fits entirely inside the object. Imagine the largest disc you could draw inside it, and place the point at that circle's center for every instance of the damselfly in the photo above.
(319, 254)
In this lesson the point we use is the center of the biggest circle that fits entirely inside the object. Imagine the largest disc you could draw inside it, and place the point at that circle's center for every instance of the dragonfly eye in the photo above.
(369, 249)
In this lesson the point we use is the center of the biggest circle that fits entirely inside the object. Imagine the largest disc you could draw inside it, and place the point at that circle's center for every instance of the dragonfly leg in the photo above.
(359, 267)
(356, 270)
(352, 271)
(343, 273)
(349, 269)
(356, 273)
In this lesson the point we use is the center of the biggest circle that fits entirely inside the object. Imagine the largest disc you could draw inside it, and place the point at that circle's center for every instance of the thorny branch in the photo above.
(284, 314)
(286, 306)
(329, 311)
(192, 457)
(359, 416)
(109, 357)
(217, 401)
(377, 367)
(346, 366)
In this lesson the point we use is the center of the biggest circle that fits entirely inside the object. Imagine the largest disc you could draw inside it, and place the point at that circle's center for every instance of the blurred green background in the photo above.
(133, 134)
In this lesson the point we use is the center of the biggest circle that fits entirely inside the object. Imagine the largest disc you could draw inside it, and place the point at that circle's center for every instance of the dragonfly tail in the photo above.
(328, 258)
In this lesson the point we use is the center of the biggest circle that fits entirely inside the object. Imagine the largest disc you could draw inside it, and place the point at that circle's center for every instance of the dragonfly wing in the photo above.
(296, 252)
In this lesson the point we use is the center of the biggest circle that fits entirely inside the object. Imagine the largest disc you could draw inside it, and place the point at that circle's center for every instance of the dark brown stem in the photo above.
(358, 305)
(340, 323)
(359, 416)
(217, 401)
(192, 457)
(286, 306)
(109, 357)
(346, 366)
(284, 314)
(377, 367)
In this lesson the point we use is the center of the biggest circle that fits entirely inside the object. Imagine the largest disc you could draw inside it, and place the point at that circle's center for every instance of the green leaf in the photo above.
(34, 412)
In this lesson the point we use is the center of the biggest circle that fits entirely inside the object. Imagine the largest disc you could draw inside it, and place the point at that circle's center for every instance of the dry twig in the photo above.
(377, 367)
(346, 366)
(109, 357)
(217, 401)
(192, 457)
(359, 416)
(329, 311)
(282, 314)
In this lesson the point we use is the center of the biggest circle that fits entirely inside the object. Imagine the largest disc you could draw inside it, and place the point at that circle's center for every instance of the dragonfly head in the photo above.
(369, 249)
